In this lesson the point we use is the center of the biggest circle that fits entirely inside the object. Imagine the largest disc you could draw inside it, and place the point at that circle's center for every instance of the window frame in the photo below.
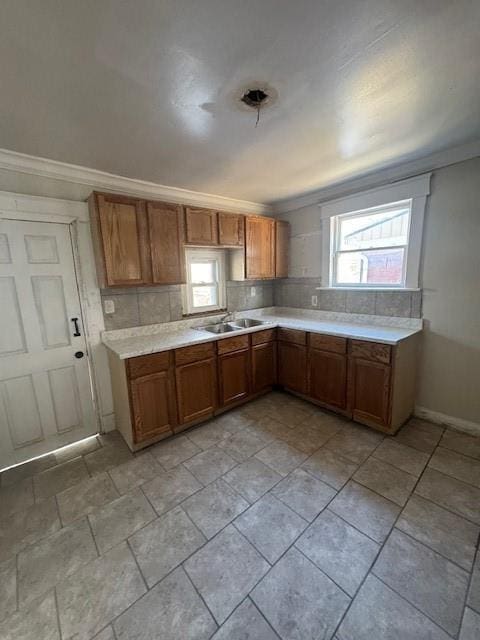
(335, 239)
(414, 189)
(204, 255)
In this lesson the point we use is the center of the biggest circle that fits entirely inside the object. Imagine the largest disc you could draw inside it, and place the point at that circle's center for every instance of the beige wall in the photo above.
(449, 366)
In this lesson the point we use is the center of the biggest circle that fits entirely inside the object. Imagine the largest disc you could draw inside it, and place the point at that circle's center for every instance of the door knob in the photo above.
(78, 354)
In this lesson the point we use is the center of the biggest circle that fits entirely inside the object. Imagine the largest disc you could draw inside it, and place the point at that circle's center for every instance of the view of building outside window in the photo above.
(371, 247)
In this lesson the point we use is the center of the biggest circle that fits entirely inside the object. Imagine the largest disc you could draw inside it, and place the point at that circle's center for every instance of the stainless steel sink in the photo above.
(220, 327)
(246, 323)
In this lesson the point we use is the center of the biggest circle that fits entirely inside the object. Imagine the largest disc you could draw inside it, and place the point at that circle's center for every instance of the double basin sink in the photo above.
(234, 325)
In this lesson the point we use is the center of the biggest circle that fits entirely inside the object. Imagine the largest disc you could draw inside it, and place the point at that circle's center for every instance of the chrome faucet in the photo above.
(230, 315)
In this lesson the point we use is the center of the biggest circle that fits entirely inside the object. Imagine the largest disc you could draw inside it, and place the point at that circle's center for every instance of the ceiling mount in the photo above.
(255, 98)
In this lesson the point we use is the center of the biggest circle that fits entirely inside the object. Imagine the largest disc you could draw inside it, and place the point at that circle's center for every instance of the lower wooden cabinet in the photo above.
(328, 378)
(233, 377)
(370, 390)
(153, 405)
(159, 394)
(263, 360)
(196, 390)
(292, 366)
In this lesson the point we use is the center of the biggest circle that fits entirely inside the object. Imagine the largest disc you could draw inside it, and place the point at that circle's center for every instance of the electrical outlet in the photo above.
(109, 306)
(253, 292)
(314, 301)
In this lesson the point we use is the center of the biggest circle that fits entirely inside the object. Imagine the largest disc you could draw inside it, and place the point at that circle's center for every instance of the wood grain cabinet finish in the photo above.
(259, 248)
(201, 227)
(292, 366)
(165, 225)
(263, 363)
(327, 375)
(282, 237)
(153, 405)
(120, 239)
(196, 390)
(370, 391)
(231, 230)
(233, 377)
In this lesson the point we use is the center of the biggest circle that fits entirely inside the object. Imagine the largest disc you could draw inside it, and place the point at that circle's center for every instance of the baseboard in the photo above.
(459, 424)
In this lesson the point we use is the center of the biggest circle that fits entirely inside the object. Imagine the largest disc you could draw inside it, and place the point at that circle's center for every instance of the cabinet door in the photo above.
(263, 366)
(370, 391)
(231, 230)
(153, 405)
(122, 225)
(201, 227)
(233, 376)
(328, 377)
(165, 224)
(282, 235)
(259, 247)
(292, 366)
(196, 390)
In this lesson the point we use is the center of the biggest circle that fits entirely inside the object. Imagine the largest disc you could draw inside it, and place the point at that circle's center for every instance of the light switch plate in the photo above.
(109, 306)
(253, 292)
(314, 301)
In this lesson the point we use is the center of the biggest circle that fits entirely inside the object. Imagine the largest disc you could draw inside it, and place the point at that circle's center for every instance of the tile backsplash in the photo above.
(298, 292)
(152, 305)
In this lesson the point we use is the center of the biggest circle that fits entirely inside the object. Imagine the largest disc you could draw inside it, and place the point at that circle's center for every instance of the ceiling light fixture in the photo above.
(255, 99)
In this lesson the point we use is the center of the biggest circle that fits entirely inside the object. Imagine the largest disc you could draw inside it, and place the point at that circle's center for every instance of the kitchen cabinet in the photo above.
(163, 393)
(282, 238)
(292, 366)
(120, 239)
(263, 366)
(136, 243)
(196, 382)
(201, 227)
(231, 230)
(165, 226)
(153, 405)
(327, 370)
(259, 247)
(263, 360)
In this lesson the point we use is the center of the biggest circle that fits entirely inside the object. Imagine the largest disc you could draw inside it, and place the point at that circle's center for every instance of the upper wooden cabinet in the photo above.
(231, 230)
(259, 247)
(201, 226)
(282, 237)
(120, 237)
(136, 242)
(165, 225)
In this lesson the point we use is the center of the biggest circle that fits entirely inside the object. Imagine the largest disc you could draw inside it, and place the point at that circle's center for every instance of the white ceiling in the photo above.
(147, 88)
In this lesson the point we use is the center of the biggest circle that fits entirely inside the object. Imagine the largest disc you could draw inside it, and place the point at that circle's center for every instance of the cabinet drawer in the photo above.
(232, 344)
(151, 363)
(328, 343)
(292, 335)
(375, 351)
(194, 353)
(260, 337)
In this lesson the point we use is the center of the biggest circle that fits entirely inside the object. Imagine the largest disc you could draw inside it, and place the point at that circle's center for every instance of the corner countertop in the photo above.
(138, 341)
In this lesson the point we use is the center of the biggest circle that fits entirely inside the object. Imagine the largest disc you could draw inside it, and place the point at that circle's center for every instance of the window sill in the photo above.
(397, 289)
(204, 314)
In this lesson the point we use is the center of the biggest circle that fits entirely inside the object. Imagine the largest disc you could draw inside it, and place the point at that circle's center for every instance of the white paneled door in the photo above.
(45, 388)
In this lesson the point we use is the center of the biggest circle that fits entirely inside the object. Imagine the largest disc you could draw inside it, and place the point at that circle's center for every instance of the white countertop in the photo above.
(138, 341)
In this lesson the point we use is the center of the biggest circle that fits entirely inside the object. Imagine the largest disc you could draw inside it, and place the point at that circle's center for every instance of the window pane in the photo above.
(376, 266)
(203, 272)
(204, 296)
(381, 229)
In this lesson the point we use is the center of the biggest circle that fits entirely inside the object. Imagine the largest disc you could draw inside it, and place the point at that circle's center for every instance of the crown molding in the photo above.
(52, 169)
(381, 177)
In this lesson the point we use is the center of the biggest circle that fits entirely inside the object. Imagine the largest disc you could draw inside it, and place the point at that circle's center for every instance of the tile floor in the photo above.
(275, 520)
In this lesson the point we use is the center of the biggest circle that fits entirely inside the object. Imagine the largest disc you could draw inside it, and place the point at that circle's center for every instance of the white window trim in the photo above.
(415, 189)
(187, 298)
